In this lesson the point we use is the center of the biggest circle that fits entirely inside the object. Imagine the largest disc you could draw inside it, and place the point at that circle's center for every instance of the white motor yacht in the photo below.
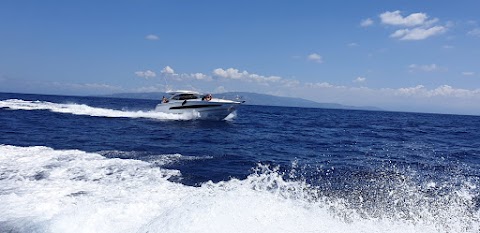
(205, 106)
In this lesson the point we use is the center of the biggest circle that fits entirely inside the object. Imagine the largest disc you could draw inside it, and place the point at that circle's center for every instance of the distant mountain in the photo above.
(263, 99)
(250, 99)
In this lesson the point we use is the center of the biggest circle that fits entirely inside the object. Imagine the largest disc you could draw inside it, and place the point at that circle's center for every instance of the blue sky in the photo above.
(397, 55)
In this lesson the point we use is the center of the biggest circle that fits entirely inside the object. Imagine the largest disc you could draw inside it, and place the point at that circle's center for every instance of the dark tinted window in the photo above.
(185, 97)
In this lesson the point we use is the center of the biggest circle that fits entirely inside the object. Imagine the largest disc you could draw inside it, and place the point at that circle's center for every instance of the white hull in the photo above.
(215, 109)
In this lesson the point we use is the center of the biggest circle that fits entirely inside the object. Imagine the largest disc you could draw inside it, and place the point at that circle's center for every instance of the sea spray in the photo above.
(47, 190)
(82, 109)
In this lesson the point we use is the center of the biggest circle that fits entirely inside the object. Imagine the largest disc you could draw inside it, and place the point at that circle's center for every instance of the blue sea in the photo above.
(89, 164)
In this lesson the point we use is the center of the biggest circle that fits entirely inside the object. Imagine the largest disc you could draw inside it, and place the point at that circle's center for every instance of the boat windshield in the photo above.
(184, 97)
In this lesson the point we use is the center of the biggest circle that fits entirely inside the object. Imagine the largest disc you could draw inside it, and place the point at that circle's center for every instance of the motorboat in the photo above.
(204, 105)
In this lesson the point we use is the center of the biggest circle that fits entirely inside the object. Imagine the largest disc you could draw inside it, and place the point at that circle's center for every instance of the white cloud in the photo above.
(290, 83)
(152, 37)
(167, 70)
(416, 26)
(448, 47)
(443, 99)
(232, 73)
(396, 19)
(366, 22)
(468, 73)
(425, 68)
(419, 91)
(228, 73)
(145, 74)
(319, 85)
(359, 80)
(474, 32)
(200, 76)
(315, 58)
(418, 33)
(441, 91)
(410, 91)
(449, 91)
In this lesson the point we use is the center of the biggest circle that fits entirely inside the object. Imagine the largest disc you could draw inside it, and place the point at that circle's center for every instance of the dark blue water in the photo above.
(337, 153)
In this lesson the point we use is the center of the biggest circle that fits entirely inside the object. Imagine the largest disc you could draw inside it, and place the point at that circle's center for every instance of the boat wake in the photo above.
(231, 116)
(48, 190)
(82, 109)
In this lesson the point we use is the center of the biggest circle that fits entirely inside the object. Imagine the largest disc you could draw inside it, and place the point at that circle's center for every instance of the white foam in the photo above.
(82, 109)
(231, 116)
(47, 190)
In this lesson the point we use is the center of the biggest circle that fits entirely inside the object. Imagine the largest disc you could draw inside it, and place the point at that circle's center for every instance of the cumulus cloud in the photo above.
(167, 70)
(366, 22)
(228, 73)
(418, 33)
(416, 26)
(410, 91)
(353, 44)
(232, 73)
(200, 76)
(152, 37)
(359, 80)
(447, 90)
(145, 74)
(315, 58)
(395, 18)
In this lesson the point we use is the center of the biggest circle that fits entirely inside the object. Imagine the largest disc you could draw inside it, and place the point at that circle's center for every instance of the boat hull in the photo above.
(205, 110)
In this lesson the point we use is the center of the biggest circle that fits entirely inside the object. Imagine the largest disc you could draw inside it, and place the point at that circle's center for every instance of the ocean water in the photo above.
(80, 164)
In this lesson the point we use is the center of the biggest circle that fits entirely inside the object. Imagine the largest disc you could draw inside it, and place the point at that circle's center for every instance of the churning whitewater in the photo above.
(47, 190)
